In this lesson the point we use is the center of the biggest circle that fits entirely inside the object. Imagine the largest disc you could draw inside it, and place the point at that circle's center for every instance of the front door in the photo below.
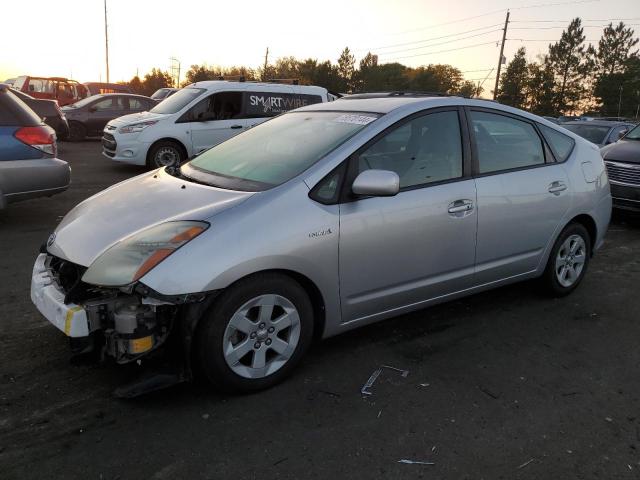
(103, 111)
(401, 251)
(216, 119)
(522, 195)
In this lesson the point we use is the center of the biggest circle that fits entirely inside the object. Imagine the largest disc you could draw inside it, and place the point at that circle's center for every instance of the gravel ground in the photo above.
(506, 384)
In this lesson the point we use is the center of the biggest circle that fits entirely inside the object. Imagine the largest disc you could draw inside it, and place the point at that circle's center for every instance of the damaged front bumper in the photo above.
(124, 324)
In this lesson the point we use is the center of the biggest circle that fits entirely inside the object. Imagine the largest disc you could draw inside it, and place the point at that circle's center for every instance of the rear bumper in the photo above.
(25, 179)
(625, 197)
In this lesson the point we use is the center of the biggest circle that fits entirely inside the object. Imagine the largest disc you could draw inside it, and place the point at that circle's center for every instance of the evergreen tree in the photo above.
(513, 81)
(346, 69)
(568, 62)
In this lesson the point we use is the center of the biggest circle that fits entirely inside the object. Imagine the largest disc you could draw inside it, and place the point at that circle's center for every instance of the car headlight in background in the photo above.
(128, 260)
(137, 127)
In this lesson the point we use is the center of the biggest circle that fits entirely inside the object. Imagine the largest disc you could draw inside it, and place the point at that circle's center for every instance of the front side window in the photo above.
(634, 134)
(504, 143)
(275, 151)
(425, 150)
(110, 103)
(219, 106)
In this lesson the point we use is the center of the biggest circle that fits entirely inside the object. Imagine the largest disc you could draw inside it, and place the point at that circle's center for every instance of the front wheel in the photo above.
(255, 334)
(568, 261)
(165, 154)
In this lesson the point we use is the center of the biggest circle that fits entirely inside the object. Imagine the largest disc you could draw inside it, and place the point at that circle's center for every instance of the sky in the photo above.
(66, 37)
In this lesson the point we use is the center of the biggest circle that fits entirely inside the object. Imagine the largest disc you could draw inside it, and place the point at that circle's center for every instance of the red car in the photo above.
(62, 90)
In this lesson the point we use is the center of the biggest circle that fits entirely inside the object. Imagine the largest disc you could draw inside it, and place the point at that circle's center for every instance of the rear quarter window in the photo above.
(270, 104)
(14, 112)
(561, 144)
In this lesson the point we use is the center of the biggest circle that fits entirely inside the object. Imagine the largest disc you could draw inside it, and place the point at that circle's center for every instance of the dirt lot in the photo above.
(507, 384)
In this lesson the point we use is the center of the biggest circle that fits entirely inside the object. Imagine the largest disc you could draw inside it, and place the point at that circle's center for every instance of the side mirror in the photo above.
(92, 109)
(622, 134)
(376, 183)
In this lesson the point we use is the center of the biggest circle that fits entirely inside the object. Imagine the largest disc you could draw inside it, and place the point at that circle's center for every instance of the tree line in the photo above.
(571, 77)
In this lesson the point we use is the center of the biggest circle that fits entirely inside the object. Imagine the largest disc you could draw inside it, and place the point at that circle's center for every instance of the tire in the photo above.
(568, 261)
(77, 132)
(165, 154)
(231, 358)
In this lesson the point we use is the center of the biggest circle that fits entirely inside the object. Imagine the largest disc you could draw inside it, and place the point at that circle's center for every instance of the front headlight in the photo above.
(137, 127)
(128, 260)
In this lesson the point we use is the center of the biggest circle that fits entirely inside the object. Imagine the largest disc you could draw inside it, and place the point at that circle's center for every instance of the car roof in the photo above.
(120, 94)
(597, 123)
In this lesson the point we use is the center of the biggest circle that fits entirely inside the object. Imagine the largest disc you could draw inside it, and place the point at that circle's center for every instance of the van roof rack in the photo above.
(287, 81)
(233, 78)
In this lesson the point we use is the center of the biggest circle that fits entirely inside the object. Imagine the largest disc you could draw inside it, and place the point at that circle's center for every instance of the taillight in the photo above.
(39, 137)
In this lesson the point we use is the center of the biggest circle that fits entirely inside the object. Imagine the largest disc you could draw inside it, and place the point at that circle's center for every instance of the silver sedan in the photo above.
(319, 221)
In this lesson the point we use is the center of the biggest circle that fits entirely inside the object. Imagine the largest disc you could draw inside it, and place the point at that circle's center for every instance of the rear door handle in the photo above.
(235, 127)
(557, 187)
(460, 207)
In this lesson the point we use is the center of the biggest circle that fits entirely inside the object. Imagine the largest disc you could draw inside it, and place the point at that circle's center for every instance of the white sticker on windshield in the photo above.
(355, 119)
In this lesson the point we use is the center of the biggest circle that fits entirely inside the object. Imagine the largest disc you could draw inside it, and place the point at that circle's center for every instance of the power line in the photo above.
(553, 4)
(543, 40)
(441, 43)
(444, 51)
(584, 20)
(430, 39)
(449, 23)
(564, 26)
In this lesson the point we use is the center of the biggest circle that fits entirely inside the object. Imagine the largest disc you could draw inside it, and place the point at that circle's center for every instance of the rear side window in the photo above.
(14, 112)
(268, 104)
(504, 143)
(560, 144)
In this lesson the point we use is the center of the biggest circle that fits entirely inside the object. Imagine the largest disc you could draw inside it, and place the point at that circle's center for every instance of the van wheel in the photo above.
(255, 334)
(568, 261)
(165, 154)
(77, 132)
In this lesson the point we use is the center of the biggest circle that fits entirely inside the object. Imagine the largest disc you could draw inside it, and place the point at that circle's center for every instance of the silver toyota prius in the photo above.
(319, 221)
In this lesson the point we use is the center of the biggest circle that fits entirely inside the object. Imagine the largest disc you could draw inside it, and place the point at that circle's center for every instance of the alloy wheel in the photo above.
(261, 336)
(570, 260)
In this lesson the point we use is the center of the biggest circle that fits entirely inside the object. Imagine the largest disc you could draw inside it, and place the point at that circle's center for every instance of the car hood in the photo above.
(133, 205)
(136, 117)
(622, 151)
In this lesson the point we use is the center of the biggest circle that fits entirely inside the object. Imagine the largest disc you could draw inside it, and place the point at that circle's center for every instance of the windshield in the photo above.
(178, 100)
(634, 134)
(161, 93)
(277, 150)
(83, 102)
(593, 133)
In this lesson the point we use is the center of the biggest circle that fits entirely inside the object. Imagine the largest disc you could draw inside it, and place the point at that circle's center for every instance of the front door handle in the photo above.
(235, 127)
(557, 187)
(460, 207)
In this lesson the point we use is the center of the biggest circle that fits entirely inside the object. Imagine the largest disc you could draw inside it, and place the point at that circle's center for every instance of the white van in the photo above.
(198, 117)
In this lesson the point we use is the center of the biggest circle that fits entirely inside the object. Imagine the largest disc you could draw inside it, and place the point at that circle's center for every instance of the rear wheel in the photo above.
(166, 154)
(568, 261)
(77, 132)
(255, 334)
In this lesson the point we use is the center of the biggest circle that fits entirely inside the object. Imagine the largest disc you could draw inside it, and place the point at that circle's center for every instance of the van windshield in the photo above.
(275, 151)
(177, 101)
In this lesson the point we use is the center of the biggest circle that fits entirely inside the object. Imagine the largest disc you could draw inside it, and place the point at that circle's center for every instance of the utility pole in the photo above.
(504, 38)
(106, 39)
(266, 60)
(619, 101)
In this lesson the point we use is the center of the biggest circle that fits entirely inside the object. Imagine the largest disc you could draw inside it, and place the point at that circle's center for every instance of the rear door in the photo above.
(523, 194)
(401, 251)
(103, 111)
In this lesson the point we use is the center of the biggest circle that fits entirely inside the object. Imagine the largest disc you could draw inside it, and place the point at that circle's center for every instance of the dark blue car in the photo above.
(28, 164)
